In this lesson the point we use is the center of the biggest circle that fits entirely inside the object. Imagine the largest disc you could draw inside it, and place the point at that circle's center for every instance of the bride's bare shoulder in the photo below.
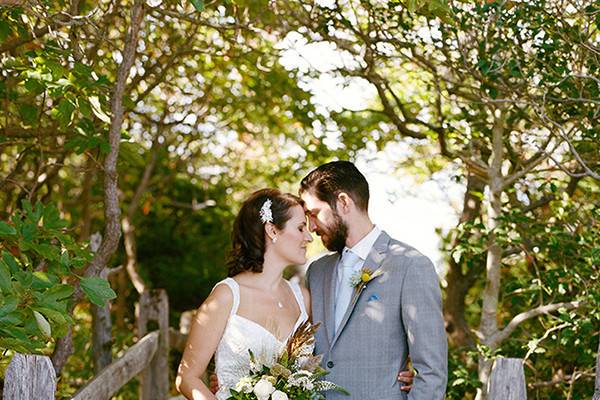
(221, 296)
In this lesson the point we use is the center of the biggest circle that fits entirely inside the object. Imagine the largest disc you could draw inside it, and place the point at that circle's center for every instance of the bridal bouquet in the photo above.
(295, 374)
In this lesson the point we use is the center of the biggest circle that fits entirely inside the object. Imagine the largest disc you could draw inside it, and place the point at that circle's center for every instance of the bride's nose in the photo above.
(308, 237)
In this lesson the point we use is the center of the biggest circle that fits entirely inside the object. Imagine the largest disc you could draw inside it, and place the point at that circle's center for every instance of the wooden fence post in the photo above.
(29, 377)
(154, 380)
(508, 380)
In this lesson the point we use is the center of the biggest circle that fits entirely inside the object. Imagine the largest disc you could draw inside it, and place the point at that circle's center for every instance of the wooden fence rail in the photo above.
(33, 377)
(112, 378)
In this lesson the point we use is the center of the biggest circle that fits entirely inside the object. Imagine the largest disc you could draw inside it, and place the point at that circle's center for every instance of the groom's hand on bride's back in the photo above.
(406, 380)
(213, 383)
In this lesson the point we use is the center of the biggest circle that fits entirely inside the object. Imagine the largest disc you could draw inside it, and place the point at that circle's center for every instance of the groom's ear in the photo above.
(344, 203)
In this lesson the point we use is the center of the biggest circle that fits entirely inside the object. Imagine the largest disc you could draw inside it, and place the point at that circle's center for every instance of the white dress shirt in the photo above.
(361, 249)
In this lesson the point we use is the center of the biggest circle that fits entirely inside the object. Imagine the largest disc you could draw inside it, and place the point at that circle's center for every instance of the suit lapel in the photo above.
(329, 296)
(373, 262)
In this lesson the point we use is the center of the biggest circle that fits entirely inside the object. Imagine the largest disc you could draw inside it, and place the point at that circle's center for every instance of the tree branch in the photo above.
(112, 231)
(517, 320)
(112, 209)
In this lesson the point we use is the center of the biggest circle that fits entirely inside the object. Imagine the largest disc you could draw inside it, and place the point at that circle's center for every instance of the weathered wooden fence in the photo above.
(33, 377)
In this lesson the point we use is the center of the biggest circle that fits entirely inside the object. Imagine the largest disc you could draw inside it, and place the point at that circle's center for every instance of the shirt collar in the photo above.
(364, 245)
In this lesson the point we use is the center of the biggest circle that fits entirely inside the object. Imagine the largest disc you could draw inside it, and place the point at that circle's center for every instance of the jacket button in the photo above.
(330, 364)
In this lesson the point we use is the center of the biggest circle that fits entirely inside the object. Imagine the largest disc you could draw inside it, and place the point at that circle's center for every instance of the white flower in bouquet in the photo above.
(279, 395)
(244, 385)
(263, 389)
(294, 371)
(302, 379)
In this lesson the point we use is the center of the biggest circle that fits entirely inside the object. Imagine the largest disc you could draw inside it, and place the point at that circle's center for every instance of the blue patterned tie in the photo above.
(344, 291)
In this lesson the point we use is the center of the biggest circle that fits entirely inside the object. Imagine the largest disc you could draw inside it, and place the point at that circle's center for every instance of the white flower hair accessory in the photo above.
(266, 215)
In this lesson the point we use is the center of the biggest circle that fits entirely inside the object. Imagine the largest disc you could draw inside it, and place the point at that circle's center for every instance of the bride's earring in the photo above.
(274, 239)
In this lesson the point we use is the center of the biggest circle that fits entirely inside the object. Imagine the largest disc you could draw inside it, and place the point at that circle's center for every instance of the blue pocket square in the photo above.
(373, 297)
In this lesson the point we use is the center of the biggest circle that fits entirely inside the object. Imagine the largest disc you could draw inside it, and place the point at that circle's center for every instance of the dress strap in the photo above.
(235, 290)
(299, 299)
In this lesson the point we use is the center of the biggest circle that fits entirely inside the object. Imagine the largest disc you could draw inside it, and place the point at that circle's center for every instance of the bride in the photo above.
(255, 308)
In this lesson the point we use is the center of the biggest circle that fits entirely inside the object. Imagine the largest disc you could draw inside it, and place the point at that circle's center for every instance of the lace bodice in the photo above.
(232, 360)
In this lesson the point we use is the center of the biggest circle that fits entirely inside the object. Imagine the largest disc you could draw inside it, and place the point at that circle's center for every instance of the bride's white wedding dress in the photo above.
(232, 359)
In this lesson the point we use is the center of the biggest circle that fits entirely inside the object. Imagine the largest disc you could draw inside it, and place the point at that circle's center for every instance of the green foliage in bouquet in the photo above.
(296, 374)
(38, 260)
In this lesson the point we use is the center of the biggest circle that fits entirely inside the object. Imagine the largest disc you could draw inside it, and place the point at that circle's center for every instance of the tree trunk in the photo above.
(489, 313)
(85, 200)
(101, 337)
(597, 389)
(127, 222)
(459, 283)
(130, 250)
(112, 209)
(101, 333)
(62, 350)
(120, 305)
(459, 333)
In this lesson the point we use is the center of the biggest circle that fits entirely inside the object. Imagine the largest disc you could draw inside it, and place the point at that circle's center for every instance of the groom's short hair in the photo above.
(329, 180)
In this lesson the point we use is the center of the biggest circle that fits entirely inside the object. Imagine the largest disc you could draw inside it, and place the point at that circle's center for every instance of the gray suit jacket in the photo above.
(396, 314)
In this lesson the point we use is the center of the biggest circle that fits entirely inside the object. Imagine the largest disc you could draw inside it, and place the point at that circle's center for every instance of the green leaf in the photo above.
(10, 261)
(98, 290)
(198, 5)
(52, 218)
(97, 109)
(64, 112)
(64, 259)
(57, 293)
(56, 69)
(16, 332)
(6, 230)
(25, 278)
(43, 280)
(11, 319)
(47, 251)
(130, 154)
(85, 108)
(53, 315)
(26, 204)
(29, 231)
(10, 305)
(34, 86)
(28, 113)
(412, 6)
(82, 70)
(43, 324)
(5, 30)
(5, 279)
(37, 213)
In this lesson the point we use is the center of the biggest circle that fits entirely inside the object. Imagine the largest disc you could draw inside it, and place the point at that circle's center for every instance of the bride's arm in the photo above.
(206, 332)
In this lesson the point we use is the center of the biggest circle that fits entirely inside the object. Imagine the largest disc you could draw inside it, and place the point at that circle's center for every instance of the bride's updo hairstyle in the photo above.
(248, 236)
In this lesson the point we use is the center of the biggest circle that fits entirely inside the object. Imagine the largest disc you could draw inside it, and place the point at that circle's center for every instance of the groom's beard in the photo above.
(335, 236)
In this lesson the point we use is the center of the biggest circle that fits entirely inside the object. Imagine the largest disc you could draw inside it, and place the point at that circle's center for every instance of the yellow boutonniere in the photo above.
(360, 278)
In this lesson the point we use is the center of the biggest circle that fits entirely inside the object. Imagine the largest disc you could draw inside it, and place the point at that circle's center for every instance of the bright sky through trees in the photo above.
(409, 210)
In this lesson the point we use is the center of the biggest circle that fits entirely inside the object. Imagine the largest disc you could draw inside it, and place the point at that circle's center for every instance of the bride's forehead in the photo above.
(297, 212)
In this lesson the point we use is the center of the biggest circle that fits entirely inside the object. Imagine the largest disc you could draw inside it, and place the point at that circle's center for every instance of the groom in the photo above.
(370, 326)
